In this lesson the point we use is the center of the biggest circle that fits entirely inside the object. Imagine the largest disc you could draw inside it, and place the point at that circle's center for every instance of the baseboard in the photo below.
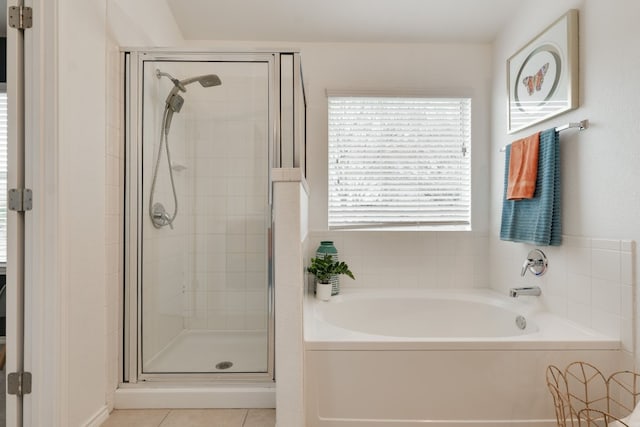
(98, 418)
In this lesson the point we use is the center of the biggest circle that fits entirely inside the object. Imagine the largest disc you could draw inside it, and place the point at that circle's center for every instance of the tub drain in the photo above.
(521, 322)
(224, 365)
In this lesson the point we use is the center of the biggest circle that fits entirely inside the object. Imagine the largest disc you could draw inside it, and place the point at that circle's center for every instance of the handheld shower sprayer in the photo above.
(175, 101)
(173, 104)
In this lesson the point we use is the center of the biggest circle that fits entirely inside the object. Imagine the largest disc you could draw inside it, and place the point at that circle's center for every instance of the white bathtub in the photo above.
(437, 358)
(438, 315)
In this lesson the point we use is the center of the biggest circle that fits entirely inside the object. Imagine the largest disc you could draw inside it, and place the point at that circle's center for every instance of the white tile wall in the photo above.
(589, 281)
(165, 259)
(227, 162)
(210, 271)
(290, 241)
(410, 260)
(606, 300)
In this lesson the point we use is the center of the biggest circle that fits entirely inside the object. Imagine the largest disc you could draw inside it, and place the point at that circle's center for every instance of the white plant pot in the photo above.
(323, 291)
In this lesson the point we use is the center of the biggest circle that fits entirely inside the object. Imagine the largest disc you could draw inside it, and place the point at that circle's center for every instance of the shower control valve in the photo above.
(160, 217)
(536, 262)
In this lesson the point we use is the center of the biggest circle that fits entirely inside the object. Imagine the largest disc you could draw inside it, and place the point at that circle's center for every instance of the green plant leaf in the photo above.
(325, 267)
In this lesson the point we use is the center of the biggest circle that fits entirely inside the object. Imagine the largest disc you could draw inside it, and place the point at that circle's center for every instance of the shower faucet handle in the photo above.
(536, 262)
(160, 217)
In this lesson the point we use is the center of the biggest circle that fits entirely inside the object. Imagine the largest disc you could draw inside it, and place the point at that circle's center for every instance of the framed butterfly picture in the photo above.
(542, 77)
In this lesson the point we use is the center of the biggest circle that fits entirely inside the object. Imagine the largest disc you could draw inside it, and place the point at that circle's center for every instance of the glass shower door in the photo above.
(204, 216)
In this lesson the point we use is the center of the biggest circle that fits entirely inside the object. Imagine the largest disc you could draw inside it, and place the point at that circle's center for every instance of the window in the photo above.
(399, 162)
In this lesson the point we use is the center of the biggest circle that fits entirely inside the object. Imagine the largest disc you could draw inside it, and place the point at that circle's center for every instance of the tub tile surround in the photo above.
(381, 259)
(589, 281)
(290, 201)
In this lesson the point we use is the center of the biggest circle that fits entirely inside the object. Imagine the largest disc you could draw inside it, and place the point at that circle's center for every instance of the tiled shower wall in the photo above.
(209, 272)
(227, 168)
(164, 258)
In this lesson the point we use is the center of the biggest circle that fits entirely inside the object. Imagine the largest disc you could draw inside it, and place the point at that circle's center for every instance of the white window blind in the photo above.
(397, 162)
(3, 177)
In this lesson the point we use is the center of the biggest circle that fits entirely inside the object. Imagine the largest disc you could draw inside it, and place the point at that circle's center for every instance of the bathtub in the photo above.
(438, 358)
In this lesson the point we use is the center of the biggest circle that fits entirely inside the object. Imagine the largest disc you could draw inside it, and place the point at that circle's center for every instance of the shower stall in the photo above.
(203, 131)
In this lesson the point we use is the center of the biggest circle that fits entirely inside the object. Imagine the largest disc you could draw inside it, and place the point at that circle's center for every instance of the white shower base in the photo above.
(199, 351)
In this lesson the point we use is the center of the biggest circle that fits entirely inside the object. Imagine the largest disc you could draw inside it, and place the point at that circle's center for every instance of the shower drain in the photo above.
(224, 365)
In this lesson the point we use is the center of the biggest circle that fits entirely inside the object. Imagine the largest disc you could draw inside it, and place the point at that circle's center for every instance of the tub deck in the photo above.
(553, 332)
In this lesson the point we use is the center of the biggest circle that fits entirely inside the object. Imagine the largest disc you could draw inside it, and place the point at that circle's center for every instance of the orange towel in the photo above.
(523, 168)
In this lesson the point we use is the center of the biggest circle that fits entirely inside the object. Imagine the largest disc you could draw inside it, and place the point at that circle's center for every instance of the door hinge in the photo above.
(20, 17)
(19, 383)
(20, 199)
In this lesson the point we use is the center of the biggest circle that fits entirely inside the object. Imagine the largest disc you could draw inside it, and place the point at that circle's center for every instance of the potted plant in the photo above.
(323, 268)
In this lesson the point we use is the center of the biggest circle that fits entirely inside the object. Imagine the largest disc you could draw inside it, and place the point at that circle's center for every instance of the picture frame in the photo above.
(542, 77)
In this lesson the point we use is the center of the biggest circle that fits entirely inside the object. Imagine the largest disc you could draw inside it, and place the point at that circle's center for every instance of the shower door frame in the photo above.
(131, 371)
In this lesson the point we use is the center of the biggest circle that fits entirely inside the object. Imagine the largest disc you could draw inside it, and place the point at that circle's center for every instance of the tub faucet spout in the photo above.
(530, 290)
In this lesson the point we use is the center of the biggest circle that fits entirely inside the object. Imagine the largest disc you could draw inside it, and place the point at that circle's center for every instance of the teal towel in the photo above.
(537, 220)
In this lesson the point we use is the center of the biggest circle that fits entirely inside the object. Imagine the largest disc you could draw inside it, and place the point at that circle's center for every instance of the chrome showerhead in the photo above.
(208, 80)
(174, 101)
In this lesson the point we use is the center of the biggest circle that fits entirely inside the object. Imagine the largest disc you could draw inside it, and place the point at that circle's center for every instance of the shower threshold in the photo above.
(159, 395)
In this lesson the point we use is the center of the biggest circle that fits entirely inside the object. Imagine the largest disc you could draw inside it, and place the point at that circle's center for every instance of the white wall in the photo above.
(600, 172)
(128, 23)
(81, 161)
(599, 166)
(436, 69)
(426, 259)
(431, 69)
(147, 23)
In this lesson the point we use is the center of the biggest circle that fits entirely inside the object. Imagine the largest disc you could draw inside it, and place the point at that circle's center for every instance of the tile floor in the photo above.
(191, 418)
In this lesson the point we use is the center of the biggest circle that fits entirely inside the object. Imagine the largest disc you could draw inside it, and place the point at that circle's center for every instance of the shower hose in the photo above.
(164, 139)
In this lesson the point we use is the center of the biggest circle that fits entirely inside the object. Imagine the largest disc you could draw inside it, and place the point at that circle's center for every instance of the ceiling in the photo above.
(367, 21)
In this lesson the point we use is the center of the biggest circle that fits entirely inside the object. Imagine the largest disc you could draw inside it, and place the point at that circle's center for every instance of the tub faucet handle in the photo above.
(525, 266)
(536, 262)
